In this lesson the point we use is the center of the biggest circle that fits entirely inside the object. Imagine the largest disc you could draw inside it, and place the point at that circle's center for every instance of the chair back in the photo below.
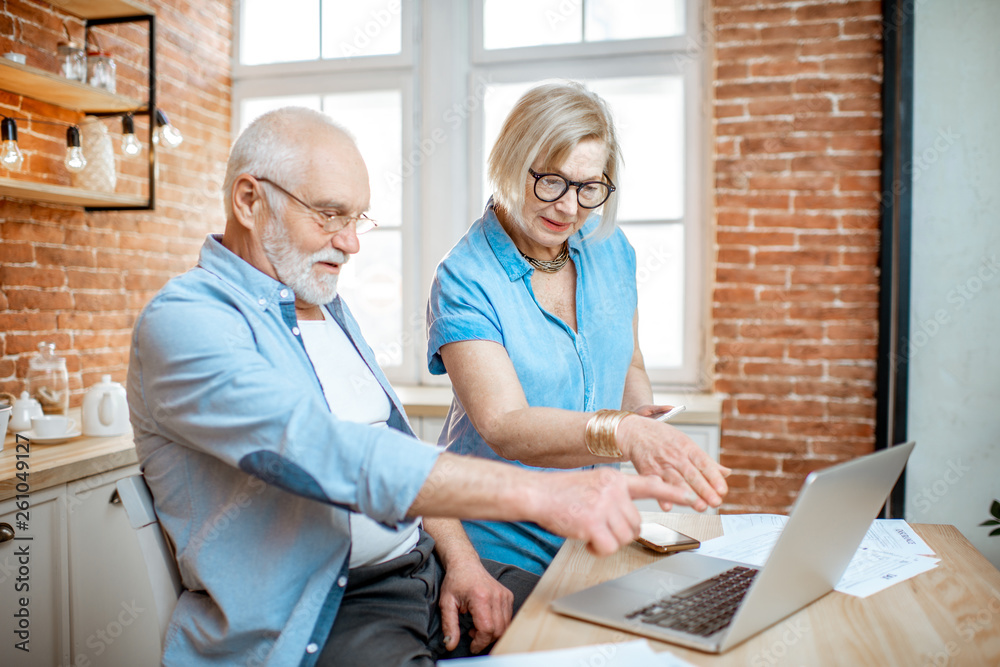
(161, 566)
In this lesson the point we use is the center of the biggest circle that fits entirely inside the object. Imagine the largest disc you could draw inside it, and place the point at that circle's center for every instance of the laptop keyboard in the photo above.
(702, 609)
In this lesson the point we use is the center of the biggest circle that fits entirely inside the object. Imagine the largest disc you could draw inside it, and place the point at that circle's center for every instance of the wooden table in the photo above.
(947, 616)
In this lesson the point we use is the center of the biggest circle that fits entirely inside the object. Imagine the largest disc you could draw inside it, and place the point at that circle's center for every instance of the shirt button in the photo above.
(262, 301)
(283, 293)
(295, 330)
(342, 582)
(312, 647)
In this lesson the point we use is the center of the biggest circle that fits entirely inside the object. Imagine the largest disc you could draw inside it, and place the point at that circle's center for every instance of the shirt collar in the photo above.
(507, 253)
(241, 275)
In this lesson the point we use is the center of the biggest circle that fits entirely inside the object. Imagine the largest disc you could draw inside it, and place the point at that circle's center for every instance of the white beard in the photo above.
(295, 268)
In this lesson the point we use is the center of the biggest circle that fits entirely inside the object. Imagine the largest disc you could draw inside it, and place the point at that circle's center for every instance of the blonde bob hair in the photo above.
(543, 128)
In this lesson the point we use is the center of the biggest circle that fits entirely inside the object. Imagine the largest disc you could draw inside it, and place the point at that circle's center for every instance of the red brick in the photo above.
(732, 218)
(32, 277)
(751, 276)
(753, 89)
(64, 257)
(750, 349)
(793, 182)
(733, 256)
(31, 322)
(727, 294)
(830, 123)
(800, 32)
(795, 258)
(18, 343)
(864, 46)
(837, 85)
(787, 407)
(739, 461)
(844, 448)
(837, 10)
(812, 351)
(742, 386)
(779, 369)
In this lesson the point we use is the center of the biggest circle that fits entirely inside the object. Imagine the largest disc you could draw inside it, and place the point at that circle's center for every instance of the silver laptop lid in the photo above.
(829, 519)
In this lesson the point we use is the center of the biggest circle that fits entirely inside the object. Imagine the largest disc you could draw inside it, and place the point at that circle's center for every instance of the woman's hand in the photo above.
(656, 448)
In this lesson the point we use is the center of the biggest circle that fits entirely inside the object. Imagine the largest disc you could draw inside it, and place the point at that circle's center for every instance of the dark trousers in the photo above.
(390, 616)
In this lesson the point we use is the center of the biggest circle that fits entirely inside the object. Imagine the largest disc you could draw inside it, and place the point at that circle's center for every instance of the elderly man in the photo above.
(281, 462)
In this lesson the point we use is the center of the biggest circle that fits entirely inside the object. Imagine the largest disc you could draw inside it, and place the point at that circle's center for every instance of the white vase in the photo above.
(95, 140)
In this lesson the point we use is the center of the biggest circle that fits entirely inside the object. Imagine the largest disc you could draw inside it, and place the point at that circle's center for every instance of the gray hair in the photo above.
(263, 149)
(546, 124)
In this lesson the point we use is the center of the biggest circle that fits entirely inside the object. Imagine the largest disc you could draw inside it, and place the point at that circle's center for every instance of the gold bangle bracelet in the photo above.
(602, 433)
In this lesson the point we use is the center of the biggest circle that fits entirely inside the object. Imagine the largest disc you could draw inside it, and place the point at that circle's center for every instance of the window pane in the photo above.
(361, 28)
(512, 23)
(278, 32)
(659, 275)
(375, 118)
(649, 116)
(633, 19)
(251, 109)
(372, 285)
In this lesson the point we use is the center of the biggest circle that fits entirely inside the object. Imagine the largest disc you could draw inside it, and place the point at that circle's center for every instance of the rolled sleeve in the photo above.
(458, 309)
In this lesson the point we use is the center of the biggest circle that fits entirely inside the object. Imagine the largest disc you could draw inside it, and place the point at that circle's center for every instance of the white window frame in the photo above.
(644, 57)
(440, 73)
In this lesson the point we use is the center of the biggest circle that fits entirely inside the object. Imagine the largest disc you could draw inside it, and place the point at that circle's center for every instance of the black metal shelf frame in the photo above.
(149, 110)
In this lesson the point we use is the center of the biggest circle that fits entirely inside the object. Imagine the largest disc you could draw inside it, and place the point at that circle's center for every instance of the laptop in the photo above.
(667, 599)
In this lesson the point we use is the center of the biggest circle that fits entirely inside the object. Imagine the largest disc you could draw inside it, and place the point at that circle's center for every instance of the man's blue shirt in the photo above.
(251, 474)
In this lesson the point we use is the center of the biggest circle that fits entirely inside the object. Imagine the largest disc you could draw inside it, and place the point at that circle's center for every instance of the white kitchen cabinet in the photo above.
(112, 617)
(37, 583)
(88, 599)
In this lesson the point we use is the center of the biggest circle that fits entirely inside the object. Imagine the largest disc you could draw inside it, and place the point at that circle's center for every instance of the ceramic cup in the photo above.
(52, 426)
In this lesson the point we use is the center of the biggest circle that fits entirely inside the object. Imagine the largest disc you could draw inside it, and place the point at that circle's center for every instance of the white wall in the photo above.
(954, 352)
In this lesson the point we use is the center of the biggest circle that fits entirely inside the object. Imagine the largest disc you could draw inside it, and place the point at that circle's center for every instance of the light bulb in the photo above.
(171, 137)
(164, 130)
(74, 160)
(130, 145)
(10, 154)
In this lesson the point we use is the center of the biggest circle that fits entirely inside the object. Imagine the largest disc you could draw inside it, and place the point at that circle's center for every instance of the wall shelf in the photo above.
(63, 194)
(54, 89)
(101, 9)
(32, 82)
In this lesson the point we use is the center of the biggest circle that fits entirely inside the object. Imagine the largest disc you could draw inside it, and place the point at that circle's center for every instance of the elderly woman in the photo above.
(533, 316)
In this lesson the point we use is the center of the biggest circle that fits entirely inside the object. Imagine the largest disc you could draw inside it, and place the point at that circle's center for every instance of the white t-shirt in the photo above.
(353, 394)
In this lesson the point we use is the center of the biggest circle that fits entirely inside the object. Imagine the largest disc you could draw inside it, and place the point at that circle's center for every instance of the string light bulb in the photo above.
(10, 154)
(164, 130)
(75, 160)
(130, 145)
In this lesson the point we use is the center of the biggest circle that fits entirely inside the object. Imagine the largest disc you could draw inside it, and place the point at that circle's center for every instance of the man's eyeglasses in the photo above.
(589, 194)
(331, 223)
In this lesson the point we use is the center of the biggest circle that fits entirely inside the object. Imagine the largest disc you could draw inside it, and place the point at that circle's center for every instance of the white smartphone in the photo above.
(676, 410)
(664, 540)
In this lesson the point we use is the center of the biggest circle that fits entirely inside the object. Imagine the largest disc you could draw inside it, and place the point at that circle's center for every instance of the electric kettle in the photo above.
(105, 409)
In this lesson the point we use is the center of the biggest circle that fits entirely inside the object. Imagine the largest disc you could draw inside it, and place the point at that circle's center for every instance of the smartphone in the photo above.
(673, 412)
(664, 540)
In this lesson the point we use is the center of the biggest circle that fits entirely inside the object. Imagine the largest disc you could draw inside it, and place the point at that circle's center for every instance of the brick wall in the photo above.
(797, 139)
(79, 279)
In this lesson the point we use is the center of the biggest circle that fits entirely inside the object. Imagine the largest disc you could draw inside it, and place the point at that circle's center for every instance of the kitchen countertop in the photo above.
(51, 465)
